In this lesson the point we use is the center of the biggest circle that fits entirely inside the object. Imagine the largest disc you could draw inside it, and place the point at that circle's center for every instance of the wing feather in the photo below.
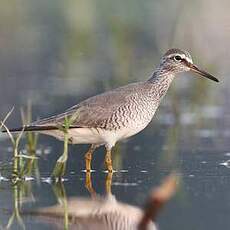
(94, 111)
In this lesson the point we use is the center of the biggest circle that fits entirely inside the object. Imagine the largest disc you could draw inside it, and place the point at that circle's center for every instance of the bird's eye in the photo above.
(178, 58)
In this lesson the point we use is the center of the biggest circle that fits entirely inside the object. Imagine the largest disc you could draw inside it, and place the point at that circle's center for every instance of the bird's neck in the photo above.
(160, 81)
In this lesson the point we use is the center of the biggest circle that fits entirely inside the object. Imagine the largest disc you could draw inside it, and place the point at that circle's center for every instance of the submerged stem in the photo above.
(59, 169)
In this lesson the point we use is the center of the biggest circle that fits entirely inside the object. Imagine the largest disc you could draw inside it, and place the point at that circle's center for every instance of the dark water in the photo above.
(200, 155)
(55, 55)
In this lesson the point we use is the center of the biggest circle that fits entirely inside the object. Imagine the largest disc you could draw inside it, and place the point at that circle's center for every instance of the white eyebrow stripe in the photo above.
(183, 56)
(173, 55)
(189, 60)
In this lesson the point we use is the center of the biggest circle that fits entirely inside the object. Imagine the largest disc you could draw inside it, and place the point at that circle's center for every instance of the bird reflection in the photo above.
(106, 212)
(89, 187)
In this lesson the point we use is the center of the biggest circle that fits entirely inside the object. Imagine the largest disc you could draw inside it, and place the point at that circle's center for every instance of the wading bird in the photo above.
(120, 113)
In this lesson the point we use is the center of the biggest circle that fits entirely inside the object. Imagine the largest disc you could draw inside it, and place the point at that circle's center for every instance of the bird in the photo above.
(120, 113)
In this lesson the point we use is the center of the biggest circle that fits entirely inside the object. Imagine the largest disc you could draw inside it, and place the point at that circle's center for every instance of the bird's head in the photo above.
(176, 61)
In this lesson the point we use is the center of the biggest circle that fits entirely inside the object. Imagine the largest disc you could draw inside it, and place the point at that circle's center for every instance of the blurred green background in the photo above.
(56, 53)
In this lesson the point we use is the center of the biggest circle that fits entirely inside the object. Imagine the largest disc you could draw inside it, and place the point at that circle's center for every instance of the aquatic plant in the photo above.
(60, 193)
(22, 164)
(31, 137)
(16, 209)
(60, 167)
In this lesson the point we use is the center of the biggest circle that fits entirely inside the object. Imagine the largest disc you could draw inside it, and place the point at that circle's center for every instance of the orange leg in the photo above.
(88, 157)
(108, 160)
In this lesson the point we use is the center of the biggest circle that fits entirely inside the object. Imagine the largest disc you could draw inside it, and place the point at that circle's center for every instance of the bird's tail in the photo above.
(32, 128)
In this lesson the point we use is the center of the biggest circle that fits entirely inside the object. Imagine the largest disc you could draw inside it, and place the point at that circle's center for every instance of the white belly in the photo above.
(96, 136)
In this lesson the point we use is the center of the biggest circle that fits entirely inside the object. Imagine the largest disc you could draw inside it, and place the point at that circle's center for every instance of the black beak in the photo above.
(202, 72)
